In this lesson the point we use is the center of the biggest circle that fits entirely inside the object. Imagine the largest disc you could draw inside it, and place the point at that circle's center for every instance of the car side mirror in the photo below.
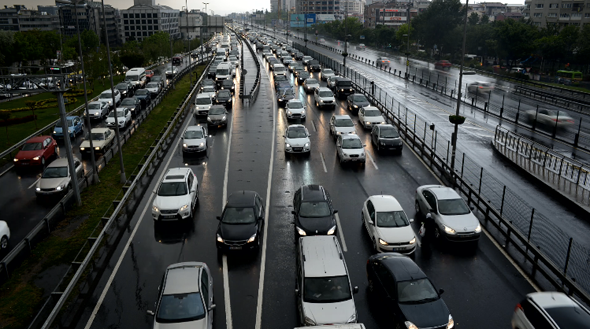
(193, 191)
(218, 217)
(150, 312)
(411, 220)
(296, 291)
(213, 306)
(371, 222)
(441, 291)
(429, 216)
(355, 290)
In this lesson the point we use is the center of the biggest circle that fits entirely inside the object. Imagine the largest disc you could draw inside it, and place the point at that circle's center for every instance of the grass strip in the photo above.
(21, 296)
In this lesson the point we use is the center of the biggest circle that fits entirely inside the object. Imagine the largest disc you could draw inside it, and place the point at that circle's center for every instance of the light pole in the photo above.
(456, 130)
(345, 53)
(206, 20)
(117, 135)
(189, 46)
(408, 45)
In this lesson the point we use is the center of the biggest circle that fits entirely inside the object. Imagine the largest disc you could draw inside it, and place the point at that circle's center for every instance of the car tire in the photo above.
(4, 242)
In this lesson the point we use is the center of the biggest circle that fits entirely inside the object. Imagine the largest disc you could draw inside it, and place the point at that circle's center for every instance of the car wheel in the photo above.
(4, 243)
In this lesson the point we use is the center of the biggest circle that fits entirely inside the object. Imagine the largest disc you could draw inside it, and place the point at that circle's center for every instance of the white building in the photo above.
(145, 18)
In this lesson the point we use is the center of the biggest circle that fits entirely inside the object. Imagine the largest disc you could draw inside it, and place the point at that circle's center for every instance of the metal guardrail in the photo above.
(560, 260)
(570, 103)
(253, 94)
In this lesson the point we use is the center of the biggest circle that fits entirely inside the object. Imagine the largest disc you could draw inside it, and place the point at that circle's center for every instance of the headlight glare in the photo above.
(58, 188)
(478, 228)
(332, 230)
(413, 240)
(36, 158)
(382, 242)
(451, 323)
(449, 230)
(252, 238)
(155, 209)
(219, 238)
(183, 208)
(410, 325)
(300, 231)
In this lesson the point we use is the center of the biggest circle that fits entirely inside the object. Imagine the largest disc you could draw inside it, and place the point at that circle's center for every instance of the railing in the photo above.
(253, 94)
(523, 233)
(574, 104)
(101, 244)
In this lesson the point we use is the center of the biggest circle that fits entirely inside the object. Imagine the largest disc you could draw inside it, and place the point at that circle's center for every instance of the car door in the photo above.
(207, 293)
(430, 206)
(339, 146)
(260, 208)
(369, 218)
(333, 125)
(362, 116)
(375, 135)
(192, 189)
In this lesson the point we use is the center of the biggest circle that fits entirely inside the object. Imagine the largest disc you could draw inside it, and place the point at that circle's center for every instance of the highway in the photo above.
(481, 285)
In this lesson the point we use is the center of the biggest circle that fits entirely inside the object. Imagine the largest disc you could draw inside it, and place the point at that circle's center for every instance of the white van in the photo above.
(136, 76)
(223, 71)
(279, 69)
(203, 103)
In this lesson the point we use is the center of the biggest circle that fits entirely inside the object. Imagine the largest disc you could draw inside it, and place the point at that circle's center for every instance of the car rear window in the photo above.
(180, 308)
(570, 317)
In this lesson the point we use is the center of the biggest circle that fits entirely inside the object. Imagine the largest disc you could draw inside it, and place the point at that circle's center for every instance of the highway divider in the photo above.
(253, 94)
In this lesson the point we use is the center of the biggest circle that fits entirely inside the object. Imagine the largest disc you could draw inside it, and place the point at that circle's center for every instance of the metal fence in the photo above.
(253, 94)
(515, 224)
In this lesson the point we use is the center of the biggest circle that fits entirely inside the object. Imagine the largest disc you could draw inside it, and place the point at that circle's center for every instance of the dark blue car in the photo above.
(75, 127)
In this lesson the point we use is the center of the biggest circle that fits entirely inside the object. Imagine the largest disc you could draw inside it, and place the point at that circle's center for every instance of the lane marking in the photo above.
(128, 243)
(266, 216)
(314, 127)
(372, 161)
(7, 170)
(323, 162)
(340, 234)
(35, 183)
(226, 296)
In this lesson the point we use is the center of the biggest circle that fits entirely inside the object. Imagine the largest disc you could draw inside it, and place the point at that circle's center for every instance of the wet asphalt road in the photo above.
(481, 286)
(19, 204)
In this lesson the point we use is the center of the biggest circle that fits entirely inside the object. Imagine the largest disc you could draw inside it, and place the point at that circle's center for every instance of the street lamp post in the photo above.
(456, 130)
(189, 45)
(206, 22)
(345, 53)
(117, 135)
(408, 45)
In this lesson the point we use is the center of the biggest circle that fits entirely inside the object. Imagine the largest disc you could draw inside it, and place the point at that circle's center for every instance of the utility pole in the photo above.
(66, 136)
(206, 20)
(408, 45)
(345, 53)
(117, 135)
(190, 54)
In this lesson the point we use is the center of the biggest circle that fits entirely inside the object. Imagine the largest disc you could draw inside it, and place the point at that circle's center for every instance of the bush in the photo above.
(14, 121)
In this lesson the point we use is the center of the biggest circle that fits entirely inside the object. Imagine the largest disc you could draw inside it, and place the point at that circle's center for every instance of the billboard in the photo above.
(298, 19)
(324, 17)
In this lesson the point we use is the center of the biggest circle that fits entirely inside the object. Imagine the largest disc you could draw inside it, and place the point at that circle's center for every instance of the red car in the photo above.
(36, 151)
(149, 74)
(443, 65)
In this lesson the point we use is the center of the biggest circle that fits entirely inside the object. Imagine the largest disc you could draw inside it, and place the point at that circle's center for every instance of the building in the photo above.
(90, 17)
(560, 12)
(490, 9)
(145, 18)
(318, 7)
(286, 5)
(505, 16)
(19, 18)
(392, 13)
(191, 24)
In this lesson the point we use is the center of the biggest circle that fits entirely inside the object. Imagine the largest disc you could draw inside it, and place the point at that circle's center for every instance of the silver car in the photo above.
(295, 110)
(350, 148)
(185, 297)
(297, 139)
(217, 116)
(98, 110)
(310, 85)
(194, 140)
(56, 178)
(341, 124)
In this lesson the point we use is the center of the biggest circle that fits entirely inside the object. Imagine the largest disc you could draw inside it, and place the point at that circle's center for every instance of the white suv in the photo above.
(177, 195)
(324, 97)
(370, 116)
(324, 292)
(107, 97)
(123, 117)
(551, 310)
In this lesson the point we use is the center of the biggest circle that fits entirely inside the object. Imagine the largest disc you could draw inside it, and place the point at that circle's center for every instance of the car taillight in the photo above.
(518, 307)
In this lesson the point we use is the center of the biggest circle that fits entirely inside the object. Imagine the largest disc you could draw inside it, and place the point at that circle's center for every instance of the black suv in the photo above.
(240, 225)
(342, 87)
(313, 211)
(313, 66)
(224, 97)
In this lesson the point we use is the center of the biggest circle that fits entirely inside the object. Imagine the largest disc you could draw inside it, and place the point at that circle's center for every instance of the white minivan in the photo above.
(223, 72)
(136, 76)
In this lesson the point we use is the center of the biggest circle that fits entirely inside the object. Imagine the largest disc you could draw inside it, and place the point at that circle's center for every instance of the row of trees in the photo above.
(439, 31)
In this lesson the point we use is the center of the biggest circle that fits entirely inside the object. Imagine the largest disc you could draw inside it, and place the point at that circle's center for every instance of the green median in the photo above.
(21, 297)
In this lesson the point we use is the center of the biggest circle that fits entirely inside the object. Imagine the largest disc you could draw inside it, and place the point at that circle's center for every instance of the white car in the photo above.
(551, 310)
(310, 85)
(4, 235)
(327, 73)
(324, 97)
(106, 96)
(447, 214)
(208, 90)
(98, 110)
(194, 139)
(297, 139)
(387, 225)
(102, 139)
(350, 148)
(306, 59)
(123, 118)
(234, 61)
(203, 103)
(370, 116)
(341, 124)
(57, 179)
(153, 87)
(171, 72)
(176, 196)
(295, 110)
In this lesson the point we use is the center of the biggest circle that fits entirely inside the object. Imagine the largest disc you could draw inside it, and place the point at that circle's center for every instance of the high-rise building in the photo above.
(145, 18)
(559, 12)
(91, 17)
(19, 18)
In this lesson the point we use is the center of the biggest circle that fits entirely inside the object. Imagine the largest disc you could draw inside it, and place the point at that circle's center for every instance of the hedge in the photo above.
(14, 121)
(70, 97)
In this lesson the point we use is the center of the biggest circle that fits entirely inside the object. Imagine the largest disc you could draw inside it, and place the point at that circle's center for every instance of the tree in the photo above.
(132, 58)
(7, 45)
(89, 40)
(514, 39)
(473, 19)
(436, 24)
(399, 35)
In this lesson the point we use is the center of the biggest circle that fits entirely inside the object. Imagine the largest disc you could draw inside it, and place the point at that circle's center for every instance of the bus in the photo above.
(177, 59)
(569, 77)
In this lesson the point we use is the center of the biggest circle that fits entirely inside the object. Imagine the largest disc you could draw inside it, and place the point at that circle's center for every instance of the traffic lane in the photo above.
(154, 247)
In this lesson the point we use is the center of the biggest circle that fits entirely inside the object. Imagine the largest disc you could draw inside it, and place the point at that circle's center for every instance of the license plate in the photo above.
(25, 163)
(169, 217)
(235, 248)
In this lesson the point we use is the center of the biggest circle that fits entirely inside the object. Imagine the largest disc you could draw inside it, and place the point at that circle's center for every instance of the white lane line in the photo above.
(340, 234)
(314, 127)
(323, 162)
(266, 216)
(141, 217)
(35, 183)
(372, 161)
(7, 170)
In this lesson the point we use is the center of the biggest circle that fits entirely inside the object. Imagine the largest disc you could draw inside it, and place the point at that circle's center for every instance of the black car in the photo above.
(133, 104)
(299, 56)
(229, 85)
(279, 79)
(235, 52)
(385, 137)
(356, 101)
(271, 61)
(342, 87)
(144, 96)
(224, 97)
(125, 89)
(302, 76)
(314, 66)
(313, 211)
(285, 95)
(240, 224)
(399, 286)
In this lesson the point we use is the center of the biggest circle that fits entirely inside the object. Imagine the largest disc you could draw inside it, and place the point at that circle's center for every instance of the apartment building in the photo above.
(563, 13)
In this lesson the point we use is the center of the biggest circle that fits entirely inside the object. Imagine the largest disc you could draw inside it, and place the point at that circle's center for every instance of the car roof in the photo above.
(195, 128)
(99, 130)
(551, 299)
(204, 95)
(313, 192)
(37, 139)
(385, 203)
(241, 199)
(342, 116)
(324, 89)
(296, 126)
(349, 136)
(402, 267)
(60, 162)
(183, 278)
(444, 193)
(176, 174)
(321, 256)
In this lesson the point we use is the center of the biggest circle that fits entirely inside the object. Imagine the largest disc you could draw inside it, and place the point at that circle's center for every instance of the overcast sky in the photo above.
(221, 7)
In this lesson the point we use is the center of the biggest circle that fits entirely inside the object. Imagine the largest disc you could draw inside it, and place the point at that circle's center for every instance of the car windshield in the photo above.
(392, 219)
(70, 123)
(311, 82)
(227, 83)
(142, 92)
(233, 215)
(122, 86)
(131, 78)
(209, 89)
(216, 110)
(359, 98)
(296, 132)
(180, 308)
(222, 72)
(119, 114)
(106, 95)
(94, 106)
(288, 92)
(193, 134)
(416, 291)
(326, 94)
(172, 189)
(281, 78)
(156, 78)
(389, 133)
(203, 100)
(314, 209)
(55, 172)
(152, 85)
(372, 113)
(224, 93)
(452, 207)
(343, 123)
(344, 83)
(97, 136)
(326, 289)
(128, 101)
(208, 83)
(327, 71)
(352, 143)
(32, 146)
(295, 105)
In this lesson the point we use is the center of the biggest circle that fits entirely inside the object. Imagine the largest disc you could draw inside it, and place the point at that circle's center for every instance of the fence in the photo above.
(551, 252)
(253, 94)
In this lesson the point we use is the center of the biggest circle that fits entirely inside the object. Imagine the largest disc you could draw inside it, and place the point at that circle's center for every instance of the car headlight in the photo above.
(339, 132)
(352, 318)
(55, 132)
(368, 123)
(15, 160)
(82, 148)
(413, 240)
(155, 209)
(58, 188)
(332, 230)
(309, 322)
(224, 118)
(355, 106)
(410, 325)
(184, 145)
(183, 208)
(451, 322)
(300, 231)
(202, 144)
(219, 238)
(306, 145)
(287, 145)
(38, 189)
(280, 99)
(382, 242)
(449, 230)
(289, 112)
(252, 238)
(97, 148)
(478, 228)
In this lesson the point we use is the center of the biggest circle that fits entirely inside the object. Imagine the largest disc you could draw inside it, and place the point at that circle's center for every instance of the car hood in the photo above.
(193, 142)
(22, 155)
(297, 142)
(345, 130)
(198, 324)
(203, 106)
(171, 202)
(312, 85)
(236, 232)
(325, 99)
(141, 96)
(129, 107)
(396, 234)
(217, 116)
(361, 104)
(461, 223)
(52, 182)
(296, 110)
(223, 99)
(119, 119)
(328, 313)
(106, 100)
(317, 225)
(374, 119)
(95, 112)
(151, 89)
(354, 151)
(438, 313)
